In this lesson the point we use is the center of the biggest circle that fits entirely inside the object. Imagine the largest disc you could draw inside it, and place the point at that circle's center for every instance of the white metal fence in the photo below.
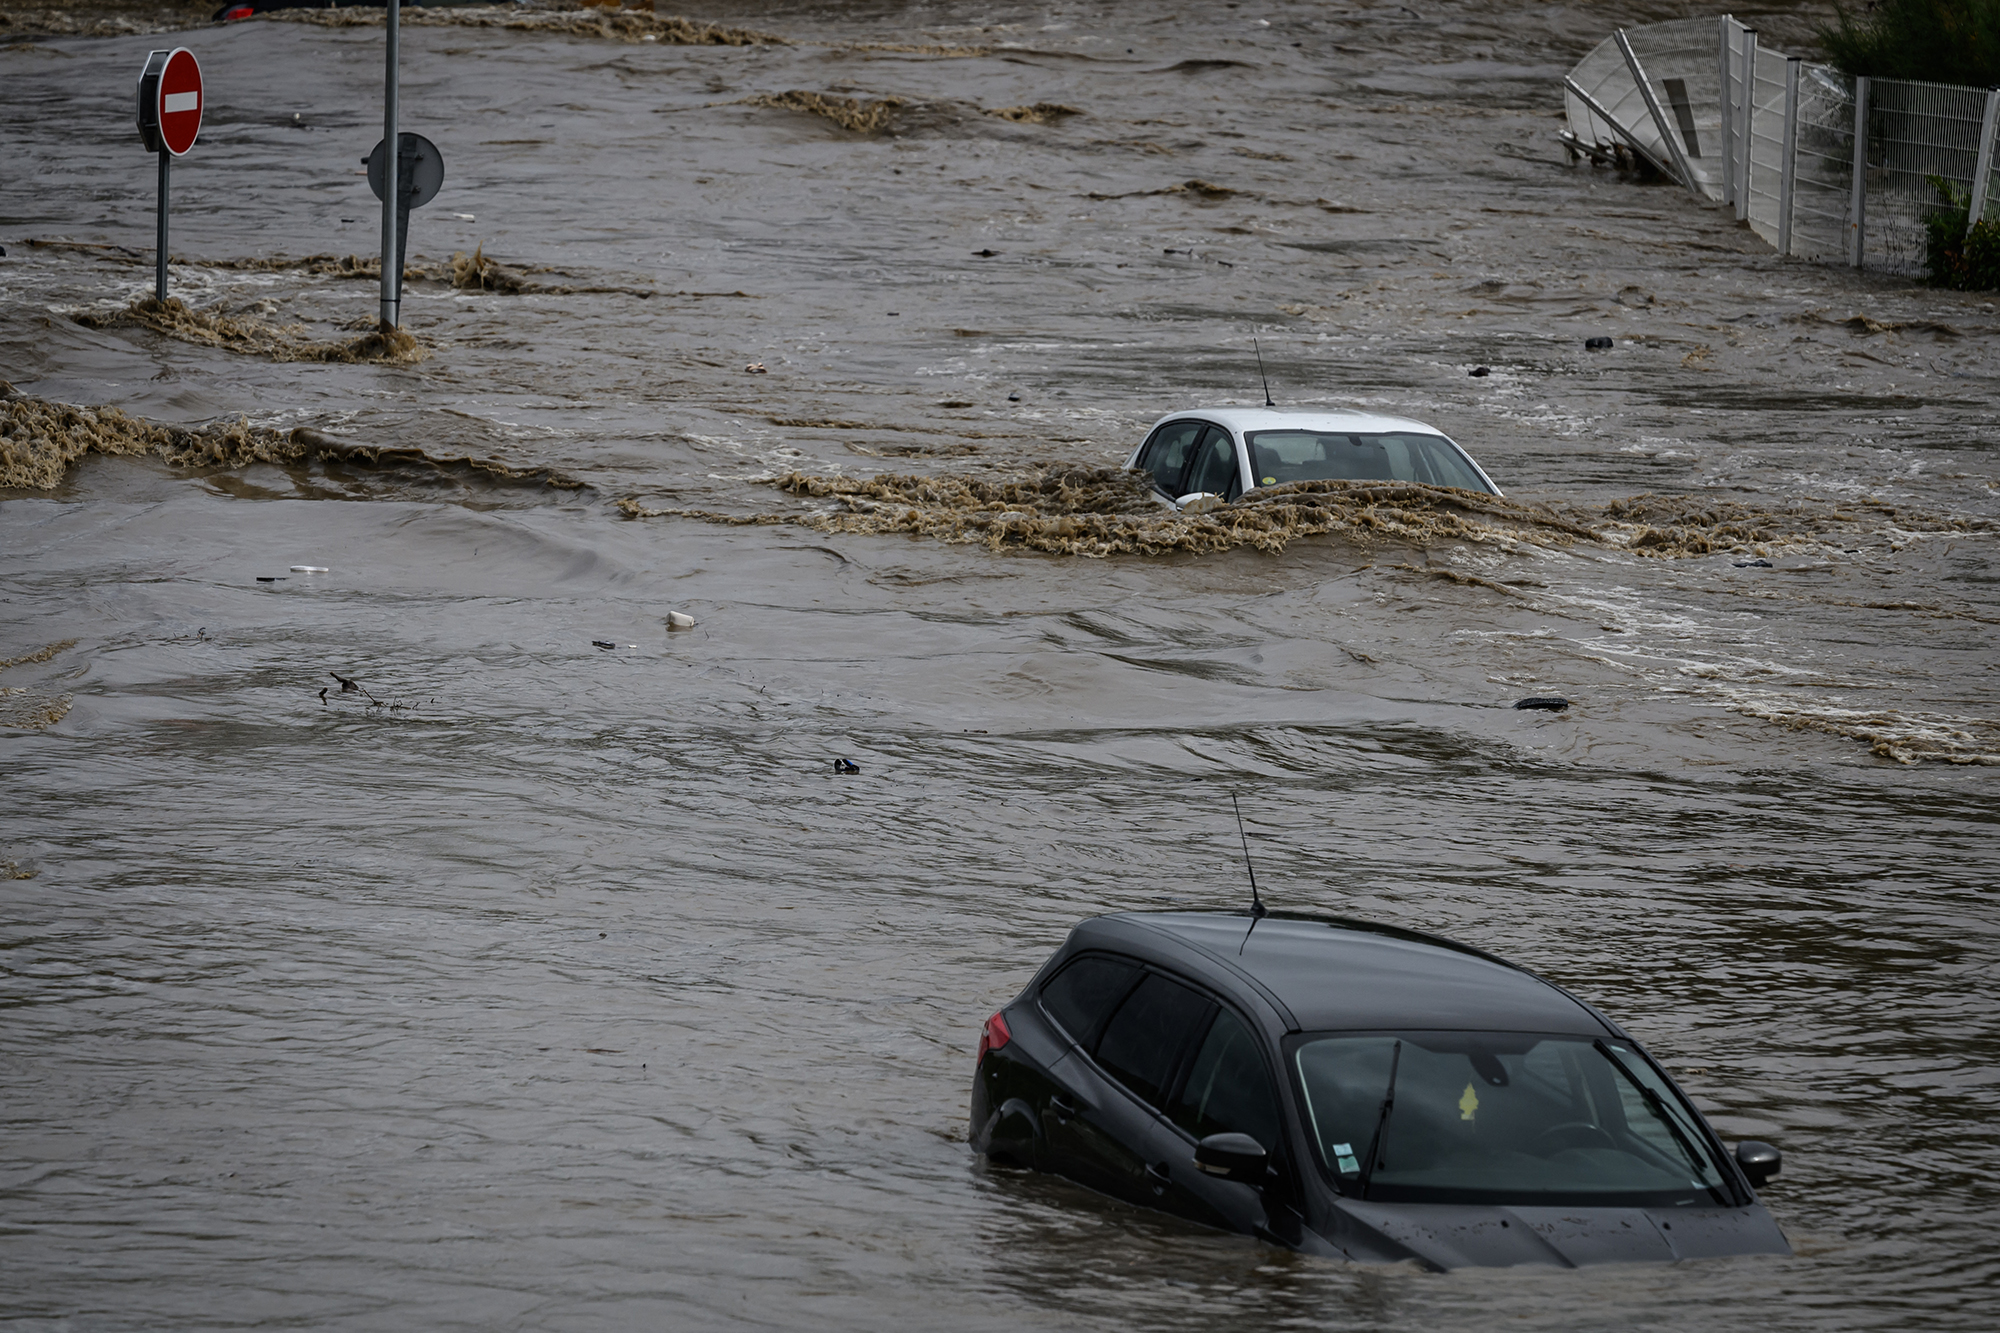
(1820, 164)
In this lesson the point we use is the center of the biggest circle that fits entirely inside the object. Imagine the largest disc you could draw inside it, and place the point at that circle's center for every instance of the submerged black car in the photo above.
(1355, 1090)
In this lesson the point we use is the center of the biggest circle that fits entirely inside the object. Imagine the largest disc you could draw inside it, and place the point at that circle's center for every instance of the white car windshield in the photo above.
(1279, 456)
(1492, 1117)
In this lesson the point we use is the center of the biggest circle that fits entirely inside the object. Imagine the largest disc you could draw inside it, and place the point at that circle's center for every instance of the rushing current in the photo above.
(551, 978)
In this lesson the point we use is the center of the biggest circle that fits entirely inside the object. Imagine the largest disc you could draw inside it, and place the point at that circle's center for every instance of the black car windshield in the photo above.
(1278, 456)
(1494, 1117)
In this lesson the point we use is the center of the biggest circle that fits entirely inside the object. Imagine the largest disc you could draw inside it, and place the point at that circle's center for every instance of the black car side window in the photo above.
(1214, 468)
(1228, 1089)
(1079, 996)
(1142, 1043)
(1166, 454)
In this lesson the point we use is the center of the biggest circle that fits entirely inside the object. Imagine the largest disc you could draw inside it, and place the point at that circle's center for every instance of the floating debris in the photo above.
(679, 620)
(1199, 188)
(1040, 113)
(476, 273)
(847, 112)
(845, 766)
(1543, 703)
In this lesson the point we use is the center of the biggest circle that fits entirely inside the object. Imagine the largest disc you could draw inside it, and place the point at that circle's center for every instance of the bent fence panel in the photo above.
(1680, 65)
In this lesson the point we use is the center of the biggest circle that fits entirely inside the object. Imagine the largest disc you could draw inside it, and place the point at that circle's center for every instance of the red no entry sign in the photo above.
(170, 102)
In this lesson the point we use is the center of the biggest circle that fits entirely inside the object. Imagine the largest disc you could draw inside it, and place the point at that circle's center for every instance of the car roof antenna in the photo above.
(1257, 909)
(1260, 372)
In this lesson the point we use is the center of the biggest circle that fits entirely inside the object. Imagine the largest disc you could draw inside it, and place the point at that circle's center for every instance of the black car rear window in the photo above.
(1144, 1038)
(1079, 996)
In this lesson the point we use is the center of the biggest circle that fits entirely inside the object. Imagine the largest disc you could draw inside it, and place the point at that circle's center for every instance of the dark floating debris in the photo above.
(846, 766)
(270, 578)
(1543, 703)
(1597, 344)
(986, 254)
(1755, 564)
(1013, 397)
(604, 643)
(348, 685)
(1480, 372)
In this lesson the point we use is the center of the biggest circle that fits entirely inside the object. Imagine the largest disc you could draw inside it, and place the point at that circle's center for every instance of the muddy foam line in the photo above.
(476, 272)
(1098, 512)
(41, 441)
(1889, 734)
(27, 708)
(566, 19)
(254, 337)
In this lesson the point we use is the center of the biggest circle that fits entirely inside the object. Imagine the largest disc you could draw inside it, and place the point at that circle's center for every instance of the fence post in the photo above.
(1673, 145)
(1857, 209)
(1788, 161)
(1746, 121)
(1984, 172)
(1726, 45)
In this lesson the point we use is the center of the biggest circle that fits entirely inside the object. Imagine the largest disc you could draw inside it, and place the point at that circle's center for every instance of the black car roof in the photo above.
(1332, 973)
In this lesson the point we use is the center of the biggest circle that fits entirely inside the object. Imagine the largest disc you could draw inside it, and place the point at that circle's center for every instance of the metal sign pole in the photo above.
(160, 237)
(391, 279)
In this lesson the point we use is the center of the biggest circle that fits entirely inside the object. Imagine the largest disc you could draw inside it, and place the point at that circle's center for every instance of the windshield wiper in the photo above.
(1381, 1119)
(1660, 1108)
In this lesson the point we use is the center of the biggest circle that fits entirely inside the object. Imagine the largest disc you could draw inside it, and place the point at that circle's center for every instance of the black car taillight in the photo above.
(993, 1036)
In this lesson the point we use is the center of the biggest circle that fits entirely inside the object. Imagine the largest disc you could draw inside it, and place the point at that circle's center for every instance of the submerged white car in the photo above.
(1213, 454)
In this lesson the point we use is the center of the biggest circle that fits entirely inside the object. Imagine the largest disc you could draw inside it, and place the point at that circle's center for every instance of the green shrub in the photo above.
(1959, 252)
(1942, 41)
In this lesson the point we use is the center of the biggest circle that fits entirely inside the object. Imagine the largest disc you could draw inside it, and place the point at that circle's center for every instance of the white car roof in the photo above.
(1241, 419)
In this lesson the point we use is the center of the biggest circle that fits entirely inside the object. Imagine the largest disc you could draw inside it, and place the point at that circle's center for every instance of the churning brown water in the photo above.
(534, 984)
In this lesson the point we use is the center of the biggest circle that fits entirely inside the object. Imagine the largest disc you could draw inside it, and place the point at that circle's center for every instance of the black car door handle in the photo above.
(1063, 1110)
(1158, 1178)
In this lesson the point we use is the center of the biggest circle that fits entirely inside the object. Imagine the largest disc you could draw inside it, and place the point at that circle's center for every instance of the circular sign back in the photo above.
(180, 95)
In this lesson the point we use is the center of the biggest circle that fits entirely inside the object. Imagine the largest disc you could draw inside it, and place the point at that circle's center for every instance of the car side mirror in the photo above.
(1760, 1161)
(1233, 1157)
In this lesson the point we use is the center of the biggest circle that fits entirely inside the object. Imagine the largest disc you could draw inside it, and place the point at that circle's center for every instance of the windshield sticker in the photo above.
(1347, 1163)
(1468, 1103)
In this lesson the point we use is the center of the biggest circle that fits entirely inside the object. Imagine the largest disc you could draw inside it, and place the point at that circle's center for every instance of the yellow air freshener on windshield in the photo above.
(1468, 1103)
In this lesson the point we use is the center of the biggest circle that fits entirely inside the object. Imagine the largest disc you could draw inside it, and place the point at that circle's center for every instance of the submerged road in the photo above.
(554, 986)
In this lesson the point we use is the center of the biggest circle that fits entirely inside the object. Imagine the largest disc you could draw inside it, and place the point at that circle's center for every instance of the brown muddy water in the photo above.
(542, 985)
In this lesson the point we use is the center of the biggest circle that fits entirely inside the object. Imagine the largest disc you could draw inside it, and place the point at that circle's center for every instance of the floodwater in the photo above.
(536, 984)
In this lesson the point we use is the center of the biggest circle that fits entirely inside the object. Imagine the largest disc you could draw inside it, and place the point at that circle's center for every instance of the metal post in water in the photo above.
(1746, 121)
(1727, 42)
(392, 196)
(1984, 171)
(160, 238)
(1857, 209)
(1788, 162)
